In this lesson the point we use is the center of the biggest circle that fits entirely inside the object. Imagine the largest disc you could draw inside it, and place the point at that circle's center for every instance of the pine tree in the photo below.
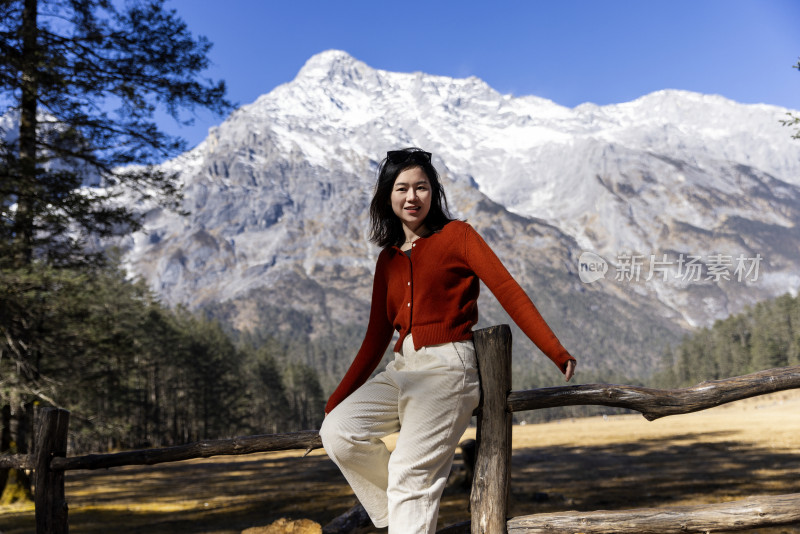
(770, 338)
(81, 80)
(305, 395)
(268, 407)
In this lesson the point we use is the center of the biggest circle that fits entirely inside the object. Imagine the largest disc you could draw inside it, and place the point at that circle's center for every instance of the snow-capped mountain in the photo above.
(278, 197)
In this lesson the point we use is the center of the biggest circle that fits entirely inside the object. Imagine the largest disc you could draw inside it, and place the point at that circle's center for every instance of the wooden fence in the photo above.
(491, 482)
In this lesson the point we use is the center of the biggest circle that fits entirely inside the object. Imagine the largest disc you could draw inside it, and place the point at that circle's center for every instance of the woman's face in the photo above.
(411, 197)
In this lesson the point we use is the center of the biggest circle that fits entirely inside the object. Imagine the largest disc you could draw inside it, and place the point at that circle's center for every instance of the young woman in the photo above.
(425, 288)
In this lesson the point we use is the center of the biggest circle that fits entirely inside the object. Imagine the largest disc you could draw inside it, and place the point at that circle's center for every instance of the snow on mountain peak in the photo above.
(330, 63)
(669, 171)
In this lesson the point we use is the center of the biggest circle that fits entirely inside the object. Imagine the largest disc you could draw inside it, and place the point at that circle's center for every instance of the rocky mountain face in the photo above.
(275, 242)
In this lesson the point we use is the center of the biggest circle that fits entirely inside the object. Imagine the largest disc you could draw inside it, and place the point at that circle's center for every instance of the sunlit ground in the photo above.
(747, 448)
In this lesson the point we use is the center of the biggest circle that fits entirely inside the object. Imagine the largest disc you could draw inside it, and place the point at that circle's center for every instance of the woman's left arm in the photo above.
(488, 267)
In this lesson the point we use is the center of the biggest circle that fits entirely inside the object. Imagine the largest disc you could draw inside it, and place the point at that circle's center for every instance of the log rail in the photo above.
(490, 489)
(745, 514)
(656, 403)
(306, 439)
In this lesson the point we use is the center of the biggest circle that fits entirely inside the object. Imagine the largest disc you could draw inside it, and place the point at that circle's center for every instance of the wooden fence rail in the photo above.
(745, 514)
(307, 439)
(656, 403)
(491, 482)
(16, 461)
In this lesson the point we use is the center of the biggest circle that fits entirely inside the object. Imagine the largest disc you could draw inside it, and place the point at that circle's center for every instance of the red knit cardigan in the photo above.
(434, 294)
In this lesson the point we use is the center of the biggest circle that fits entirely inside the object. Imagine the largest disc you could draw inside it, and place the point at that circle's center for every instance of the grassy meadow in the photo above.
(750, 447)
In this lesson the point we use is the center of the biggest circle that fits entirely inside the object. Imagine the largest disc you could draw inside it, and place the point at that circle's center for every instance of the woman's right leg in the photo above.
(351, 436)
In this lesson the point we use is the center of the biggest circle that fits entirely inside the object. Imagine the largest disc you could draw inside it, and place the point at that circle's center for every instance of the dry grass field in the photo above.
(746, 448)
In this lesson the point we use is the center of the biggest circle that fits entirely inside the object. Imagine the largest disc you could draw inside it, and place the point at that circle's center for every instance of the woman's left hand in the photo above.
(570, 369)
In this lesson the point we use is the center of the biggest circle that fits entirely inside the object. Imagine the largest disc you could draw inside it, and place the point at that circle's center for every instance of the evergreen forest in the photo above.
(133, 372)
(763, 336)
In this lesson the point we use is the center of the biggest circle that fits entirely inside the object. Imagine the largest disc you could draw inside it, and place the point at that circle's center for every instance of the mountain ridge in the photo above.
(279, 193)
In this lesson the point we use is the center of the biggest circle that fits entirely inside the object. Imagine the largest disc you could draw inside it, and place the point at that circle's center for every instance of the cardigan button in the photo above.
(409, 304)
(409, 283)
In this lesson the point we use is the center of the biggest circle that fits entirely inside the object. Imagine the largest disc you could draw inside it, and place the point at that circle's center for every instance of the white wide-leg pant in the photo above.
(429, 396)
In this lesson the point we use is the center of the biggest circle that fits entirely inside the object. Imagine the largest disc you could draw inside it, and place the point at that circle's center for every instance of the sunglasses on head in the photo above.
(403, 156)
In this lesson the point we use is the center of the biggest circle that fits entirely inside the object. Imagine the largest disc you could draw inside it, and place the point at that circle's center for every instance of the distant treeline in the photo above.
(763, 336)
(133, 372)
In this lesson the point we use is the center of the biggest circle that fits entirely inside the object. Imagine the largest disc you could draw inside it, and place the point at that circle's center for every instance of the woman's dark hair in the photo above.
(386, 228)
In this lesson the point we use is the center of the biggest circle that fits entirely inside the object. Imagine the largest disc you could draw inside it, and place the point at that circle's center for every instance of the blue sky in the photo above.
(569, 51)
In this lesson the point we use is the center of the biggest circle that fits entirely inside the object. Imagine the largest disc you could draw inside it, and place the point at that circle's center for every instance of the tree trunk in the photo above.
(16, 484)
(24, 217)
(25, 419)
(5, 441)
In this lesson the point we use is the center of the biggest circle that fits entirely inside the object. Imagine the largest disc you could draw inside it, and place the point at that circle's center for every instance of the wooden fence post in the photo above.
(491, 483)
(49, 499)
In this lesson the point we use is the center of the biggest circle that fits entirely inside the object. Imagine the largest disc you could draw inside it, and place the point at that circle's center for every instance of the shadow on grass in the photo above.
(681, 469)
(221, 495)
(230, 494)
